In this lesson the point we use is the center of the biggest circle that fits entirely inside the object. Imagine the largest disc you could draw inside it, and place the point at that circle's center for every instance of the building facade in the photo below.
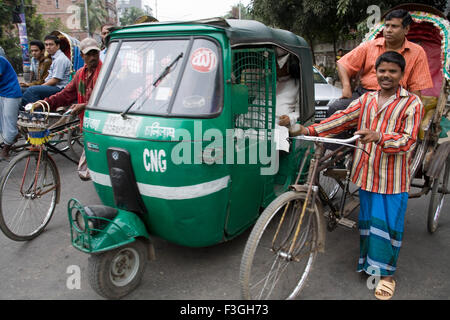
(69, 13)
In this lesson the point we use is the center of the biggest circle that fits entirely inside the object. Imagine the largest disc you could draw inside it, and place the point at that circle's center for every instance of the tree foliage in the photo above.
(9, 39)
(97, 14)
(325, 20)
(130, 15)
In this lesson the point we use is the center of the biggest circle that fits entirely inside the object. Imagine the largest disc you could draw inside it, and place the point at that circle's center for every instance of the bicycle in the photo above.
(30, 185)
(284, 242)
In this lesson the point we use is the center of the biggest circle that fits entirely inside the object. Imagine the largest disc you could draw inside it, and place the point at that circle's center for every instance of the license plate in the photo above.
(320, 114)
(118, 126)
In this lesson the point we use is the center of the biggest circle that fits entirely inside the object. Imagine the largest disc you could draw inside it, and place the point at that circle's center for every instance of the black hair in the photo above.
(401, 14)
(391, 56)
(37, 43)
(52, 37)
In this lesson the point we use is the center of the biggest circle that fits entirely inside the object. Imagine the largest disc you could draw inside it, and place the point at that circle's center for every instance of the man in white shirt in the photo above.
(287, 109)
(58, 74)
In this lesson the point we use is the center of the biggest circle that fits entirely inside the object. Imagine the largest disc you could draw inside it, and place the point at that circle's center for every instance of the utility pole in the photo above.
(22, 26)
(86, 9)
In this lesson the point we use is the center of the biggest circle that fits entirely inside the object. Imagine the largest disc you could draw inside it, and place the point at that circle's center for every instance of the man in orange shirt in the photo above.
(362, 60)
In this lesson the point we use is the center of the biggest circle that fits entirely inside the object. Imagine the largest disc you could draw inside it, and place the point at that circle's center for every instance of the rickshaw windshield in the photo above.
(192, 86)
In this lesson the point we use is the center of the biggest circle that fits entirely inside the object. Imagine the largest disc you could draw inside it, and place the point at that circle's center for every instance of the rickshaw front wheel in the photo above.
(440, 186)
(116, 273)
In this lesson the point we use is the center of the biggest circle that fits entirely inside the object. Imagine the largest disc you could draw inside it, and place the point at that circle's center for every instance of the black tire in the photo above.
(439, 185)
(106, 275)
(24, 215)
(75, 142)
(262, 253)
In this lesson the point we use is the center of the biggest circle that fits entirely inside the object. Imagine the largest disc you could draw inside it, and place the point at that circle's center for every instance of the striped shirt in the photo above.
(386, 169)
(417, 74)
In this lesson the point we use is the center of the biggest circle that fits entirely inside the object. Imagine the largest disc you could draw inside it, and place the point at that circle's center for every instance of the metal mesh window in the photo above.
(256, 69)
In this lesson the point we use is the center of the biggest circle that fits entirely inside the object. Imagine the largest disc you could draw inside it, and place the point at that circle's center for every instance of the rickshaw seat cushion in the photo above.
(429, 102)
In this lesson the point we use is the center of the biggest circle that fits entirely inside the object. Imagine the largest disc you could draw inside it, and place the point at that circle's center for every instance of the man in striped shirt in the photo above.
(388, 121)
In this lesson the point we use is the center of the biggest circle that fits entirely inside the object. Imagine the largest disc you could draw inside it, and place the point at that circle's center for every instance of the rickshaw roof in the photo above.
(240, 32)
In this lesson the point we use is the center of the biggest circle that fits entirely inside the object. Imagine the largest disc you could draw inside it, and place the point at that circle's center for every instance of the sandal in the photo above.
(386, 287)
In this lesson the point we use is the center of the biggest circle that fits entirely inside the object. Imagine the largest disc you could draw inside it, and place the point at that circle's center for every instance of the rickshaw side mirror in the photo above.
(239, 98)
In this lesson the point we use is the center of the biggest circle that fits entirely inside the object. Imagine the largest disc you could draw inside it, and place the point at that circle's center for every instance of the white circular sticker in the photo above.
(204, 60)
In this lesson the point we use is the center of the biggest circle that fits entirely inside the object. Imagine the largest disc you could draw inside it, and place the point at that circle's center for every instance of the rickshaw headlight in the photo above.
(80, 222)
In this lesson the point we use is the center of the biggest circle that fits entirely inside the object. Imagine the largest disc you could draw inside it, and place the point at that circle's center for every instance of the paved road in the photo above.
(38, 269)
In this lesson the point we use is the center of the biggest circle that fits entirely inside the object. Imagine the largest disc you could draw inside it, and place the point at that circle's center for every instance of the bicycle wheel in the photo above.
(269, 269)
(75, 139)
(439, 186)
(28, 195)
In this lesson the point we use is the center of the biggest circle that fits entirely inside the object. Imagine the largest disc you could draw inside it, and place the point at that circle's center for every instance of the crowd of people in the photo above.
(50, 80)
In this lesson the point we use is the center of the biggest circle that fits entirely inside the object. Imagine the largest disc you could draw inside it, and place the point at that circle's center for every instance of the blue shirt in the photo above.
(9, 84)
(60, 69)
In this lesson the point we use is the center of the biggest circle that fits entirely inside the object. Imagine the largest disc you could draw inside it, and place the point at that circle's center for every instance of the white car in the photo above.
(325, 94)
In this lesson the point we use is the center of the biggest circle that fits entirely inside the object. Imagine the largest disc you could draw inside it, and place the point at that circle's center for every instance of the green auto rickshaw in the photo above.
(179, 139)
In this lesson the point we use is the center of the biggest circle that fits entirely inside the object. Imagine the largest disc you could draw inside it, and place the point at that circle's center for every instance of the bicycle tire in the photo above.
(439, 184)
(75, 142)
(24, 215)
(254, 260)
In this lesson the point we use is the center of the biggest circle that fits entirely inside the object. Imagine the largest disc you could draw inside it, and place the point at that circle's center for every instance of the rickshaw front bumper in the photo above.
(100, 228)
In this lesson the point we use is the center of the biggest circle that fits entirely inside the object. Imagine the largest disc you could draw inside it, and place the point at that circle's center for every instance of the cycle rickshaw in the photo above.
(283, 245)
(30, 183)
(178, 138)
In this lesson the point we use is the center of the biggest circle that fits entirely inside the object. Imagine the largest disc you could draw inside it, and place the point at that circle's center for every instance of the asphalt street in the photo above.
(41, 268)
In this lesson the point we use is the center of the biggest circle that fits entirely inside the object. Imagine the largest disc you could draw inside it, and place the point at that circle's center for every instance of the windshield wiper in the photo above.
(163, 74)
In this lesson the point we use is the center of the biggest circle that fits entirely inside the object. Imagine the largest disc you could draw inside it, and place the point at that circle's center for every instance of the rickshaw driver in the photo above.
(82, 84)
(383, 175)
(362, 60)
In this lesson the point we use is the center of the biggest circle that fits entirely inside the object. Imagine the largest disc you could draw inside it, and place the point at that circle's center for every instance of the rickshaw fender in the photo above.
(124, 228)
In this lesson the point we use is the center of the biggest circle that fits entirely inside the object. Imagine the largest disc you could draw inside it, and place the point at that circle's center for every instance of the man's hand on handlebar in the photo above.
(78, 108)
(368, 136)
(297, 130)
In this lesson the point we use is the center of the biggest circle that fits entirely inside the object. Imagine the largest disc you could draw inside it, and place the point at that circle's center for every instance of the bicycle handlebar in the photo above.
(328, 140)
(344, 142)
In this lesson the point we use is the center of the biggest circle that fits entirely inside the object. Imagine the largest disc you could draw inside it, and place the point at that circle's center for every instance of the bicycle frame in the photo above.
(319, 163)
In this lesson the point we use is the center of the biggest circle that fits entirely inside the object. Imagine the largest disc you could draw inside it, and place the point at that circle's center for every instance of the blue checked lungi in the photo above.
(381, 224)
